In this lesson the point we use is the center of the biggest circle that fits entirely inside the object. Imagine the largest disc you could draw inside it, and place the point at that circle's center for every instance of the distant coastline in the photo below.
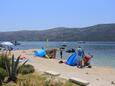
(100, 32)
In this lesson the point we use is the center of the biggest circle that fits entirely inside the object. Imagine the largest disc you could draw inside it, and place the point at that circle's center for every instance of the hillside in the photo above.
(100, 32)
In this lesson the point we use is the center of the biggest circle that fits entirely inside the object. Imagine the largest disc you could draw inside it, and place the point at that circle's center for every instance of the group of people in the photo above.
(82, 58)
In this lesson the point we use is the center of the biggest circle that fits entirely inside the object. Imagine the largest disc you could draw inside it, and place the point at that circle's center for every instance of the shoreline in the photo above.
(32, 50)
(97, 76)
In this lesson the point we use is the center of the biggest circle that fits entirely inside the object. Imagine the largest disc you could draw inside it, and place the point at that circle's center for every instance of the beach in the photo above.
(97, 76)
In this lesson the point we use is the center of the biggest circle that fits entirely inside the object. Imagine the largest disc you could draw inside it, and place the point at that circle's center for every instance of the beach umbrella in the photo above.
(7, 44)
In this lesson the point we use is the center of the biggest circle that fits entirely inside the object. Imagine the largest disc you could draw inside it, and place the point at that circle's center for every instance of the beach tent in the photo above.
(73, 60)
(40, 53)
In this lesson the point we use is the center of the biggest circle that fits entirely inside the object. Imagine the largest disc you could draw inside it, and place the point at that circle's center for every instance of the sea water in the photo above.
(103, 52)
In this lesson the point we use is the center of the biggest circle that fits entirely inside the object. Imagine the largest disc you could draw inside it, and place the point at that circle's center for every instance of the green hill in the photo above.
(100, 32)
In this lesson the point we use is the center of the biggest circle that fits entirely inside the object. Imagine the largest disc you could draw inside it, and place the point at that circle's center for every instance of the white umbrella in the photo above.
(7, 43)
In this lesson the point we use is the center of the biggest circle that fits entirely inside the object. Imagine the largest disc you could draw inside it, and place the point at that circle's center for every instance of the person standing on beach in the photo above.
(81, 54)
(61, 53)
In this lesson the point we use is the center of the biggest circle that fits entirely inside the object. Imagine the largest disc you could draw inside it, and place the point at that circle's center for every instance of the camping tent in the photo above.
(73, 60)
(40, 53)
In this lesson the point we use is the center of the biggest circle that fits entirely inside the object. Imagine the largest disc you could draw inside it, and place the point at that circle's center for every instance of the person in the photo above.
(87, 59)
(81, 54)
(61, 53)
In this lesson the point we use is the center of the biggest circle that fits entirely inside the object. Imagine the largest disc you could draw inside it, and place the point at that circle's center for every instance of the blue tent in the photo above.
(73, 60)
(40, 53)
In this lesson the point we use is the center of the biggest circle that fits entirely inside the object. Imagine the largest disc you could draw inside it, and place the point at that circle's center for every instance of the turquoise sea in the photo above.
(103, 52)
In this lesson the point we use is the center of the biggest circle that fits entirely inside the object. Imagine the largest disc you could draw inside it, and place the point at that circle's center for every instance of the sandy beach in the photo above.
(97, 76)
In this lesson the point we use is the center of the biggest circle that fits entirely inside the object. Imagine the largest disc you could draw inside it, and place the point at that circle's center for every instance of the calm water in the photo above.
(103, 52)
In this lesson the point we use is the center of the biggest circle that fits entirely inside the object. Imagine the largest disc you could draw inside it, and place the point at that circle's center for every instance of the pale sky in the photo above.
(44, 14)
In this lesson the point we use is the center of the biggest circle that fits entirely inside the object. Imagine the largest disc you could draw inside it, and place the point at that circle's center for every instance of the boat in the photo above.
(70, 50)
(64, 45)
(81, 42)
(15, 43)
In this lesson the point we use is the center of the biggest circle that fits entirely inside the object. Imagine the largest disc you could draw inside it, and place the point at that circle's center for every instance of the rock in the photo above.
(97, 79)
(112, 82)
(86, 73)
(81, 82)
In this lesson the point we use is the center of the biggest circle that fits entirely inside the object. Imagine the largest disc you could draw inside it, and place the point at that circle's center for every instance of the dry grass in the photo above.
(39, 80)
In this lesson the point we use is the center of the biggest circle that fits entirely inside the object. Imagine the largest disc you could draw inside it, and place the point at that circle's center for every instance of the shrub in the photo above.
(36, 79)
(3, 58)
(10, 66)
(3, 74)
(26, 69)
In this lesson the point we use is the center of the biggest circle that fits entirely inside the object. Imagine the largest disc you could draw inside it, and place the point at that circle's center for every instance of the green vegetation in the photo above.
(4, 58)
(9, 68)
(39, 80)
(3, 74)
(12, 69)
(14, 75)
(26, 69)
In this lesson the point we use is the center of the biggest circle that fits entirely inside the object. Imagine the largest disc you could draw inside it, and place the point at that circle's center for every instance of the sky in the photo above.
(45, 14)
